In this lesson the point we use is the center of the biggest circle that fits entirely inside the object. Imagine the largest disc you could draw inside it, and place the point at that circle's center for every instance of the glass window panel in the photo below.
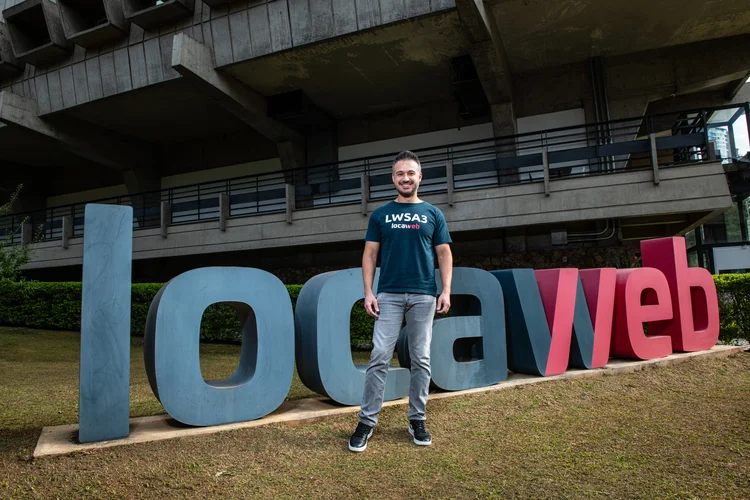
(692, 259)
(724, 228)
(741, 140)
(690, 239)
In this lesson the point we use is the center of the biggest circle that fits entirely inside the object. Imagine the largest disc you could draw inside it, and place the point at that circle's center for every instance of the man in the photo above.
(405, 231)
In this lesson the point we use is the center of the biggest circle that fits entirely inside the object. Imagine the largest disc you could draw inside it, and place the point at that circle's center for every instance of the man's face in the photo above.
(406, 177)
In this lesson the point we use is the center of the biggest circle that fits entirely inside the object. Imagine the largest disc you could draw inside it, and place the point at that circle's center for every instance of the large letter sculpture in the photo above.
(104, 404)
(695, 304)
(556, 318)
(324, 359)
(490, 364)
(599, 290)
(171, 346)
(634, 287)
(551, 325)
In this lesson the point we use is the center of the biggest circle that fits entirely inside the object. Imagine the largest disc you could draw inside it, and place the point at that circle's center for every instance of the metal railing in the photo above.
(642, 143)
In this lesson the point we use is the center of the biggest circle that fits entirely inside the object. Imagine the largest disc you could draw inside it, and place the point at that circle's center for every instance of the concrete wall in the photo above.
(689, 189)
(554, 89)
(88, 195)
(237, 32)
(731, 258)
(403, 122)
(221, 173)
(547, 121)
(417, 141)
(170, 181)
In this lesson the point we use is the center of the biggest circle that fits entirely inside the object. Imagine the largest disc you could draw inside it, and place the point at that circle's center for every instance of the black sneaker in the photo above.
(419, 431)
(358, 441)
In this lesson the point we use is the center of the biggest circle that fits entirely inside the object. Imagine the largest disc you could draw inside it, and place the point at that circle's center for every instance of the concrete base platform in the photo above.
(62, 439)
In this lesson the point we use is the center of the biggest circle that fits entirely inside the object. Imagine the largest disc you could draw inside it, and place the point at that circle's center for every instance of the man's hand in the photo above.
(444, 303)
(371, 306)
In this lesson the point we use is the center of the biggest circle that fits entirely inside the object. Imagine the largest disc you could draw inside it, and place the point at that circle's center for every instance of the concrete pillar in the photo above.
(290, 203)
(450, 181)
(165, 217)
(545, 165)
(322, 145)
(27, 233)
(143, 185)
(322, 149)
(504, 120)
(300, 157)
(67, 230)
(654, 157)
(292, 157)
(504, 124)
(223, 211)
(364, 183)
(141, 179)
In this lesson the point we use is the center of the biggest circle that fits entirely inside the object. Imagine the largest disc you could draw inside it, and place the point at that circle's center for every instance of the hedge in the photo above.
(734, 305)
(57, 306)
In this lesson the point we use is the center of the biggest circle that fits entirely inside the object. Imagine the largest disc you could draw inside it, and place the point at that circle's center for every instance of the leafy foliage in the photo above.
(12, 257)
(734, 305)
(57, 306)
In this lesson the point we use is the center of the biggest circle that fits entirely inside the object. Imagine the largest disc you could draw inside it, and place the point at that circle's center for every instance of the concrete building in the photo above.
(720, 137)
(260, 133)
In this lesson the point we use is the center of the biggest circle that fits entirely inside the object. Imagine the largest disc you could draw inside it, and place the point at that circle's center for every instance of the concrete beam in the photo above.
(86, 141)
(139, 179)
(196, 63)
(487, 51)
(694, 101)
(635, 80)
(673, 71)
(711, 83)
(737, 86)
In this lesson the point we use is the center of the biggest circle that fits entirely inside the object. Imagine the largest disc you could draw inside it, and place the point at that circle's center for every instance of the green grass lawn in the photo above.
(39, 370)
(679, 431)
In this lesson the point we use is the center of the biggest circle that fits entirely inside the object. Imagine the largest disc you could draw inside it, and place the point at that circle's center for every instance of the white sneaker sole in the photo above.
(416, 441)
(357, 450)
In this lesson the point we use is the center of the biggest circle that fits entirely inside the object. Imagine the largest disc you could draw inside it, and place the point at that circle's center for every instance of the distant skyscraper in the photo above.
(720, 136)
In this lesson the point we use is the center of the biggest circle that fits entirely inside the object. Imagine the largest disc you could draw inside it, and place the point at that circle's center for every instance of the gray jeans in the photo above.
(418, 310)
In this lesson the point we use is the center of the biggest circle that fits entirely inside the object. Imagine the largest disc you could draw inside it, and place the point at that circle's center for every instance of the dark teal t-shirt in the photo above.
(407, 233)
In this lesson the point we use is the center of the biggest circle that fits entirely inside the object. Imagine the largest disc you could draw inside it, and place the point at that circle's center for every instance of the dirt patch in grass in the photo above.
(675, 431)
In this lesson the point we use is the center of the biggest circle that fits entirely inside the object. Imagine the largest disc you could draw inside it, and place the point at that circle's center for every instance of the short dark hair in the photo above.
(407, 155)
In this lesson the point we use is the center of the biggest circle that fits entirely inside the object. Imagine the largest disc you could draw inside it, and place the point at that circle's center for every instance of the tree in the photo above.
(12, 257)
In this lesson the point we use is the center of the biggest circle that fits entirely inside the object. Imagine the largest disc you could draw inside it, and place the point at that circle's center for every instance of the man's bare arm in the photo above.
(445, 262)
(369, 261)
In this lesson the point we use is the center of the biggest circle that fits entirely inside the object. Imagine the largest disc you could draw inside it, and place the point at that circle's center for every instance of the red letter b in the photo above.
(695, 323)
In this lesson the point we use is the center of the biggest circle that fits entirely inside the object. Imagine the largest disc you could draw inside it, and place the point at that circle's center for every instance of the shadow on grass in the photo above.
(14, 442)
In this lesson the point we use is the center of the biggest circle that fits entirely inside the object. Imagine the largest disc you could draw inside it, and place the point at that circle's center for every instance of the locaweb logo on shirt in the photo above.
(396, 219)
